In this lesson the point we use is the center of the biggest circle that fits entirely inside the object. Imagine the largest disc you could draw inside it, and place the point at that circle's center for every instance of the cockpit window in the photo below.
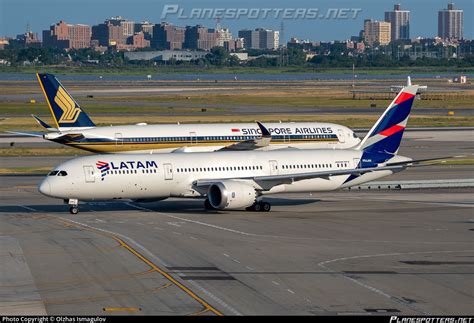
(62, 173)
(53, 173)
(354, 135)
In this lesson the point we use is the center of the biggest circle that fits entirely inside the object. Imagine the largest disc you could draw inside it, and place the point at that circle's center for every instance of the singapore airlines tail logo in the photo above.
(103, 167)
(67, 104)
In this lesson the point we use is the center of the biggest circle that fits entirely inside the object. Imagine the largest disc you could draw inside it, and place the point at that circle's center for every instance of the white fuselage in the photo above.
(165, 138)
(152, 176)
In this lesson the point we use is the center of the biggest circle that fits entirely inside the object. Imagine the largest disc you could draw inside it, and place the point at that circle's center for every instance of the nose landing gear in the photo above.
(73, 205)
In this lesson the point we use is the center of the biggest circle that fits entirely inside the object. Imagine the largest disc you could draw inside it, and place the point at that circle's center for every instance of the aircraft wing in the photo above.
(262, 141)
(269, 181)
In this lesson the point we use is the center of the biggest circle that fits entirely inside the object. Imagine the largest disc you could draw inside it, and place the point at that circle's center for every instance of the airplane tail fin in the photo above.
(65, 110)
(386, 134)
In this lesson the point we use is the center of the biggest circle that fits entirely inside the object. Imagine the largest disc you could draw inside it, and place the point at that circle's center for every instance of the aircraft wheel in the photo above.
(266, 207)
(74, 210)
(257, 207)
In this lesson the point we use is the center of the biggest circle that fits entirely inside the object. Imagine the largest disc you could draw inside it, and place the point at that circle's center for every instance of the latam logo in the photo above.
(103, 168)
(134, 164)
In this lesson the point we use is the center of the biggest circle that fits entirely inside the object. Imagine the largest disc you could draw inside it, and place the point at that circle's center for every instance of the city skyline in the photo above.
(15, 16)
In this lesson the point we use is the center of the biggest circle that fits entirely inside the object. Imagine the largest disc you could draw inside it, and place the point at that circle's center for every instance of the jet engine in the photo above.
(231, 195)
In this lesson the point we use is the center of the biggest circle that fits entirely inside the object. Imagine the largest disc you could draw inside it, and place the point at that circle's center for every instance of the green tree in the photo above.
(218, 56)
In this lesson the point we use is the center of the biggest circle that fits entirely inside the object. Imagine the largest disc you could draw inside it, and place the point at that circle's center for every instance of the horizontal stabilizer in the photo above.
(43, 124)
(27, 133)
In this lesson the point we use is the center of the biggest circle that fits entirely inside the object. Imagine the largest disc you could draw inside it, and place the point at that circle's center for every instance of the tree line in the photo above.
(219, 57)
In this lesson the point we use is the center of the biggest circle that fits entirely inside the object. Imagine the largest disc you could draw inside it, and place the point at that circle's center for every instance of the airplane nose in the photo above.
(45, 187)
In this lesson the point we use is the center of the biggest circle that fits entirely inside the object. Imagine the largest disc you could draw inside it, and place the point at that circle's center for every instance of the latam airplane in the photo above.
(231, 180)
(74, 128)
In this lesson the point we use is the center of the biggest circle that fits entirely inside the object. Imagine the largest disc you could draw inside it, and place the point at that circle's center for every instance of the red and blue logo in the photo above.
(103, 167)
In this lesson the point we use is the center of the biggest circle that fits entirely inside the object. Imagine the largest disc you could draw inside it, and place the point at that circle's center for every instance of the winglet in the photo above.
(264, 130)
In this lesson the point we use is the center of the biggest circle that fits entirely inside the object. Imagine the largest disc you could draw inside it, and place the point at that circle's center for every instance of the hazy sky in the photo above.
(16, 14)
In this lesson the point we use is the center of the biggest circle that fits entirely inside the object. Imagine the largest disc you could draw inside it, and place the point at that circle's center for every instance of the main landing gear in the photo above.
(260, 207)
(256, 207)
(73, 206)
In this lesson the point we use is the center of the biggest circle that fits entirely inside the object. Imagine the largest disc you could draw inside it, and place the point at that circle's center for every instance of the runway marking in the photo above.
(116, 236)
(192, 221)
(290, 291)
(122, 309)
(235, 260)
(100, 221)
(199, 313)
(226, 255)
(275, 283)
(249, 268)
(194, 238)
(176, 224)
(378, 291)
(163, 287)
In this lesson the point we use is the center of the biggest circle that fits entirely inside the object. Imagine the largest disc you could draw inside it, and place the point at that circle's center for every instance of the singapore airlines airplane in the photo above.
(74, 128)
(235, 179)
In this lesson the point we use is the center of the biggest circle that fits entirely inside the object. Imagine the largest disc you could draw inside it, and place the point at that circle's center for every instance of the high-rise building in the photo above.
(128, 27)
(145, 27)
(199, 37)
(223, 35)
(108, 34)
(377, 32)
(28, 39)
(399, 23)
(260, 38)
(251, 38)
(167, 36)
(269, 39)
(138, 40)
(450, 23)
(67, 36)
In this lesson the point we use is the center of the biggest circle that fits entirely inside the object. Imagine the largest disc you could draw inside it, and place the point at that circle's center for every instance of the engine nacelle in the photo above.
(231, 195)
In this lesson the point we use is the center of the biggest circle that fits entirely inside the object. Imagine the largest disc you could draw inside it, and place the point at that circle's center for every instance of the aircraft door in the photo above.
(273, 167)
(168, 168)
(118, 139)
(341, 135)
(89, 174)
(193, 138)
